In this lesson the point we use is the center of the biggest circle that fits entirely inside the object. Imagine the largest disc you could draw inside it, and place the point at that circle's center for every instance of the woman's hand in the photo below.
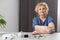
(34, 32)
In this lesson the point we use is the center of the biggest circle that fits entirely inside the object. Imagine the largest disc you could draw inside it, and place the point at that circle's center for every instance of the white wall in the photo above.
(58, 17)
(10, 10)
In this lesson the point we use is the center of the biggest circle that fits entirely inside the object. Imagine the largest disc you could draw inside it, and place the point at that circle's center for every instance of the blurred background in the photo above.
(19, 14)
(9, 9)
(27, 13)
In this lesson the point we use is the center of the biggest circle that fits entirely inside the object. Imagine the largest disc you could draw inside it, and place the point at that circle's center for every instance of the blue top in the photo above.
(38, 21)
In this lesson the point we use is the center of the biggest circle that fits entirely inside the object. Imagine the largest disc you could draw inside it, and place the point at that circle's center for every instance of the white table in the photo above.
(54, 36)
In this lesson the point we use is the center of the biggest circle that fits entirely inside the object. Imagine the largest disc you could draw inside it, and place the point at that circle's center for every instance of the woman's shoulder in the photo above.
(49, 18)
(36, 17)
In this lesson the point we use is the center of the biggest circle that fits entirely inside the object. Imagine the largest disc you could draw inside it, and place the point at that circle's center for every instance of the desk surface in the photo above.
(54, 36)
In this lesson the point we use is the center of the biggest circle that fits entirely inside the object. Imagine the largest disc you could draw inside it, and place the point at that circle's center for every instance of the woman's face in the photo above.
(42, 11)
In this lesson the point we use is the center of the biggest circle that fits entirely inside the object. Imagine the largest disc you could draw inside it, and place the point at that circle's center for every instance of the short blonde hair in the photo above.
(41, 4)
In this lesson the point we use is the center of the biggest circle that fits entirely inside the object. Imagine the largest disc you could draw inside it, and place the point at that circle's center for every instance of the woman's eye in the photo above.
(39, 9)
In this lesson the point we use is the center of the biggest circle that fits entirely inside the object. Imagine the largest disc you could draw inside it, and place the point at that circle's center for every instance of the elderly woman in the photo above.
(42, 23)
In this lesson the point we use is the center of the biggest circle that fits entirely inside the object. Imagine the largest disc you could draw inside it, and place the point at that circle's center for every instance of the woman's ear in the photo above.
(36, 11)
(47, 11)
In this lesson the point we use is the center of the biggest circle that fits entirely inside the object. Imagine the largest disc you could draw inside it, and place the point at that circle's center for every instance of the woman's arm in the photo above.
(41, 29)
(45, 29)
(51, 27)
